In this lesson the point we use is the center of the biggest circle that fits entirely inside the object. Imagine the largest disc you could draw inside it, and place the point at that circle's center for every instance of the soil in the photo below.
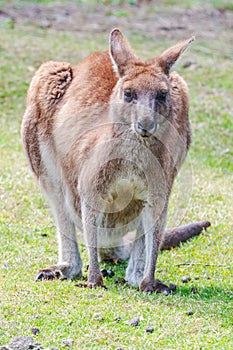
(149, 18)
(22, 343)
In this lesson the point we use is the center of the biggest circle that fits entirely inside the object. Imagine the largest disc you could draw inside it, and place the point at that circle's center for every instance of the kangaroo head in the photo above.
(142, 96)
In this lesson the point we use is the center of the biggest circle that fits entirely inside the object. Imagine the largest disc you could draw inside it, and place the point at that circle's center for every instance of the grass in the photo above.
(61, 310)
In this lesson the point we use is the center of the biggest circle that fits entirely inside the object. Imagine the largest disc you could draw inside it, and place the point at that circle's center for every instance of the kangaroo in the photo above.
(105, 139)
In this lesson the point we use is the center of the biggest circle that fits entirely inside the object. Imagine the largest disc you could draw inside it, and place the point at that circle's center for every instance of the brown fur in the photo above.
(102, 161)
(46, 89)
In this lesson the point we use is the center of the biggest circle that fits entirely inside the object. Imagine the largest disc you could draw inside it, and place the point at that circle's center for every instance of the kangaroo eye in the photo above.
(128, 95)
(162, 94)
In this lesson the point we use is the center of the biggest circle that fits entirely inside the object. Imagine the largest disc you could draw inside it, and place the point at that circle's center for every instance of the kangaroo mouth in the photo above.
(145, 134)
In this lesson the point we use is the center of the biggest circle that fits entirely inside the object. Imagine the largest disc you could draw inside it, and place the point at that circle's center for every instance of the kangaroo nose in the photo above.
(146, 129)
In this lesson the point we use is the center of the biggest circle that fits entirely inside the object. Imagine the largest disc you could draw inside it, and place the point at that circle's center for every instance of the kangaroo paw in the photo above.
(181, 234)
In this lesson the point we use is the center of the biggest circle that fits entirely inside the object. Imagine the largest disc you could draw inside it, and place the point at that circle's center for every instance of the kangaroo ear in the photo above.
(120, 52)
(171, 55)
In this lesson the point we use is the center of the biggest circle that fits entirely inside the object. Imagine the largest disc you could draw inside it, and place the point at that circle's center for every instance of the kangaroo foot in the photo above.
(95, 279)
(60, 271)
(154, 286)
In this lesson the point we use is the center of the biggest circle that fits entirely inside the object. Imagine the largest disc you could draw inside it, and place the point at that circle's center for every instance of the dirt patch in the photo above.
(22, 343)
(172, 22)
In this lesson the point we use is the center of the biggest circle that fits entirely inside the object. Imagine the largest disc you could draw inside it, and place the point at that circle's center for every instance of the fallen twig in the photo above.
(205, 265)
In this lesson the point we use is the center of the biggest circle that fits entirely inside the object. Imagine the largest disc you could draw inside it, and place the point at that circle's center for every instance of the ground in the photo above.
(198, 314)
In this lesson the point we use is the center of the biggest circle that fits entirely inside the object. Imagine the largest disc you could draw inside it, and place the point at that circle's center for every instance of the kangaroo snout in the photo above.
(144, 116)
(146, 128)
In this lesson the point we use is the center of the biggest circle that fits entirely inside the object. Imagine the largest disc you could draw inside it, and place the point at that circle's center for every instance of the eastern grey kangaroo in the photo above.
(105, 140)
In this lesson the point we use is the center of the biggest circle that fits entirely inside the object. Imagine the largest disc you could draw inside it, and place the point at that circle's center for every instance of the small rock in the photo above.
(35, 331)
(43, 234)
(104, 273)
(111, 273)
(117, 319)
(189, 312)
(120, 280)
(196, 277)
(166, 291)
(21, 343)
(134, 322)
(149, 329)
(67, 342)
(193, 290)
(172, 287)
(185, 279)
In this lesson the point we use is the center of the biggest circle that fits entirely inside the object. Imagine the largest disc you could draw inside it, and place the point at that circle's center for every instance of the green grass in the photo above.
(61, 310)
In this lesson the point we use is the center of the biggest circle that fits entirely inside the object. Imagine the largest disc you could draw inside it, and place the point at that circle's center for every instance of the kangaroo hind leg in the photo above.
(69, 262)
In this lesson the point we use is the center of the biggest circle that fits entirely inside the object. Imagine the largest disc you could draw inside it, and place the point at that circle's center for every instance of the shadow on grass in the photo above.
(184, 290)
(211, 293)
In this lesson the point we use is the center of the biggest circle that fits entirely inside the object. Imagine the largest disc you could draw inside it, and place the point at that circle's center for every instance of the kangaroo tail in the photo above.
(173, 237)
